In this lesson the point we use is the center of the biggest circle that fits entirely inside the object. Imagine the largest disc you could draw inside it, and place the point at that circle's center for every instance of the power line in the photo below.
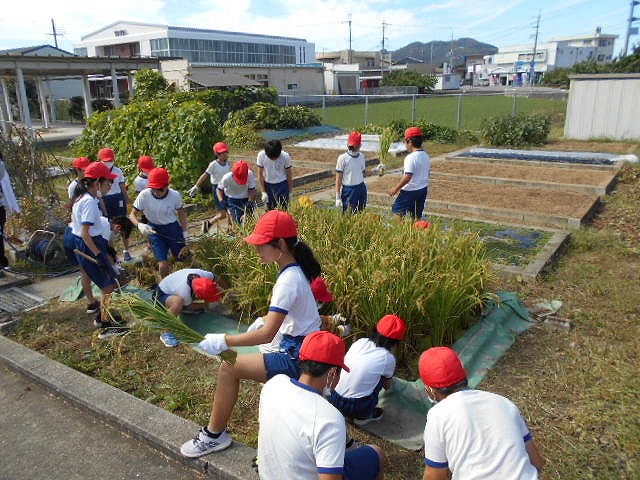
(55, 34)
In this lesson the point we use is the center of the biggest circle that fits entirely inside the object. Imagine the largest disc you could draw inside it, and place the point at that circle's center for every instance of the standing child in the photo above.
(275, 175)
(216, 170)
(164, 209)
(116, 199)
(351, 191)
(372, 367)
(145, 165)
(237, 189)
(79, 164)
(292, 313)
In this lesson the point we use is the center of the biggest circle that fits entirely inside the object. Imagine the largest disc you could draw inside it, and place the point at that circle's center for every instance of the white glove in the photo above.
(256, 325)
(192, 191)
(264, 197)
(338, 201)
(214, 343)
(145, 229)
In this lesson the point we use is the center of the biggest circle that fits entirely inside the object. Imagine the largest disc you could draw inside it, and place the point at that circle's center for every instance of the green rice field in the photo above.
(441, 110)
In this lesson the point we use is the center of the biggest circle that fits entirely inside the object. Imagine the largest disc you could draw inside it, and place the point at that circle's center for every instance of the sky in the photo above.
(326, 22)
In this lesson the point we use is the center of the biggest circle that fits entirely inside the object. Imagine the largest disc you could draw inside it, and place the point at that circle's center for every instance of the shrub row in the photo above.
(516, 130)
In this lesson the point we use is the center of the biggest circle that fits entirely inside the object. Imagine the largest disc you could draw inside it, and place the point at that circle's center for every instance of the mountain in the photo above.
(437, 52)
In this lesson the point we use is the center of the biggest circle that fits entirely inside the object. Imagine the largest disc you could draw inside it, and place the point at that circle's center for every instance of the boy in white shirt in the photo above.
(275, 175)
(238, 189)
(145, 165)
(351, 191)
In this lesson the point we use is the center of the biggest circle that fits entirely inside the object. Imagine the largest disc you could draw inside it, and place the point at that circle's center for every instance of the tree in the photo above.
(149, 85)
(401, 78)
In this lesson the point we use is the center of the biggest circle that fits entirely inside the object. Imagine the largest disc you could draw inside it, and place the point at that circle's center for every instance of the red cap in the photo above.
(421, 225)
(206, 289)
(81, 162)
(392, 326)
(440, 367)
(324, 347)
(273, 224)
(106, 155)
(240, 172)
(320, 290)
(145, 163)
(220, 147)
(412, 132)
(354, 140)
(98, 170)
(158, 178)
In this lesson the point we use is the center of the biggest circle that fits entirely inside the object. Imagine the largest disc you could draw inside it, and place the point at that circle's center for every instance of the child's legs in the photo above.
(249, 367)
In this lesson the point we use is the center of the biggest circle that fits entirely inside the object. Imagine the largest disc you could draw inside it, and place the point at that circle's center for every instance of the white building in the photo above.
(512, 65)
(199, 46)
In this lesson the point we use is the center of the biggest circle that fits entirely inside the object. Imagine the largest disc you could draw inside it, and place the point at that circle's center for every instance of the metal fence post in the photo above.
(458, 116)
(514, 106)
(286, 100)
(366, 110)
(413, 109)
(324, 109)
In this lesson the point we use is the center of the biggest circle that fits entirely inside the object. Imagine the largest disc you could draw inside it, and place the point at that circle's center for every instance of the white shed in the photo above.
(604, 106)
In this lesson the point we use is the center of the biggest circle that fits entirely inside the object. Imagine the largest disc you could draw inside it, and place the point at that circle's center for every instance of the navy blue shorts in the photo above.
(219, 205)
(278, 194)
(237, 208)
(361, 464)
(102, 276)
(356, 407)
(69, 242)
(354, 197)
(169, 237)
(115, 205)
(410, 202)
(286, 361)
(160, 297)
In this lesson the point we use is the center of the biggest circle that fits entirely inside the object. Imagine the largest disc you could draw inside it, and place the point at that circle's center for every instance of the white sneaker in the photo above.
(203, 444)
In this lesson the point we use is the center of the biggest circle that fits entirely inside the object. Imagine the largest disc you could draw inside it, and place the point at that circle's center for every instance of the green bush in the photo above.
(242, 137)
(297, 116)
(516, 130)
(264, 115)
(433, 278)
(101, 104)
(178, 136)
(437, 133)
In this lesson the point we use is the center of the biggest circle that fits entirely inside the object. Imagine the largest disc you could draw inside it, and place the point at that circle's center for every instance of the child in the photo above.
(372, 366)
(216, 170)
(116, 200)
(164, 209)
(292, 312)
(145, 165)
(238, 189)
(275, 175)
(178, 290)
(351, 191)
(79, 164)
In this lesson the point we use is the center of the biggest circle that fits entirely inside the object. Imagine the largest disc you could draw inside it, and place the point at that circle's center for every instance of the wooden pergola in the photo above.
(41, 68)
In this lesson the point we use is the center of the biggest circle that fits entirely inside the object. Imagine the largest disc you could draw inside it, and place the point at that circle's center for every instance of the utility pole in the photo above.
(631, 30)
(55, 34)
(532, 73)
(383, 51)
(349, 53)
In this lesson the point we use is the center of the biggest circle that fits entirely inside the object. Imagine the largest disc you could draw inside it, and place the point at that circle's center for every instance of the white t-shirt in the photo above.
(352, 168)
(478, 435)
(105, 228)
(176, 283)
(140, 183)
(417, 164)
(301, 434)
(233, 190)
(115, 186)
(71, 189)
(367, 363)
(292, 296)
(85, 211)
(274, 170)
(216, 171)
(160, 211)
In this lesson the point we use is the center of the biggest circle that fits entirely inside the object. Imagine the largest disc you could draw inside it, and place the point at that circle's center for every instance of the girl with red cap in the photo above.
(91, 247)
(372, 367)
(167, 223)
(145, 165)
(115, 201)
(351, 191)
(292, 315)
(215, 171)
(237, 189)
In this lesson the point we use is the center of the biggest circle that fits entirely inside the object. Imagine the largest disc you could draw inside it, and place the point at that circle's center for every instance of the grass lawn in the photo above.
(577, 389)
(442, 110)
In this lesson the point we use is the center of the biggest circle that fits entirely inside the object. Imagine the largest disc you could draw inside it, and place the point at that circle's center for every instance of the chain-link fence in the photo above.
(460, 110)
